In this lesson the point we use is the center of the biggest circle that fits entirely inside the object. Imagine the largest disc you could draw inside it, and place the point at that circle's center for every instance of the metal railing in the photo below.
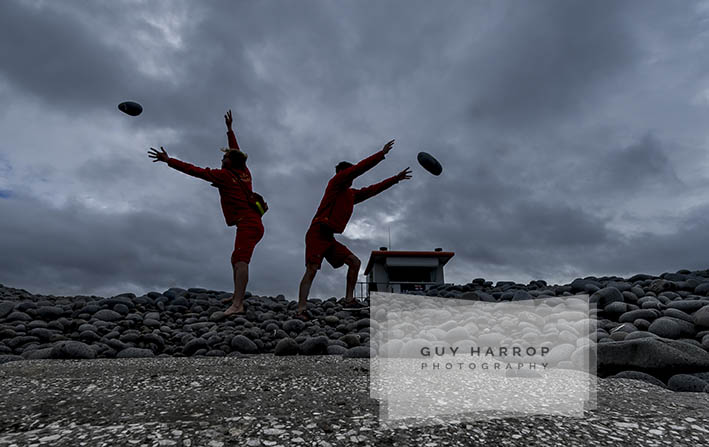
(362, 288)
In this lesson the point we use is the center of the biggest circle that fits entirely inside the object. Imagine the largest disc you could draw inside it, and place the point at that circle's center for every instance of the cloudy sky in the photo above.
(573, 136)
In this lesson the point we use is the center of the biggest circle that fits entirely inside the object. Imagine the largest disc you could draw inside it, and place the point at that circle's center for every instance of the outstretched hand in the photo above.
(404, 175)
(387, 147)
(158, 156)
(228, 120)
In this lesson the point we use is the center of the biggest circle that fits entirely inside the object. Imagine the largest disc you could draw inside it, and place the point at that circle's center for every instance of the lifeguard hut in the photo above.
(405, 271)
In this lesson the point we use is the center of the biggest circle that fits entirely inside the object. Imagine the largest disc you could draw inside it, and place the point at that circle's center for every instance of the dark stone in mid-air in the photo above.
(429, 163)
(131, 108)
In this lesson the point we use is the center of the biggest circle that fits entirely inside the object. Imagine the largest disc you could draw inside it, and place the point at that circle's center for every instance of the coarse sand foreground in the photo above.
(305, 401)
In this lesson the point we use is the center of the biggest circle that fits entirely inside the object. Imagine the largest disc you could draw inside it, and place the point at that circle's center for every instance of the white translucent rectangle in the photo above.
(439, 359)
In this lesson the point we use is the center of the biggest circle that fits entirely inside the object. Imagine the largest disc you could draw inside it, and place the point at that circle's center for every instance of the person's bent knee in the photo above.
(353, 261)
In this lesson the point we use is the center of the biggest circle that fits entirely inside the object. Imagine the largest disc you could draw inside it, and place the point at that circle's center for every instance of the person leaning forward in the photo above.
(331, 218)
(233, 181)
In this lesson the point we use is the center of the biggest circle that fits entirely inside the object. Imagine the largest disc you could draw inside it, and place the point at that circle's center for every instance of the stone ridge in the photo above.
(651, 328)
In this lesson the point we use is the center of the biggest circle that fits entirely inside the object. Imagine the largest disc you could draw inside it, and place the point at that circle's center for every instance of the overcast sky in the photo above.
(573, 136)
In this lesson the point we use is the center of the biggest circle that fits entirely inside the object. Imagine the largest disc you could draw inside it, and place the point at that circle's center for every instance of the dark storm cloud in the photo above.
(549, 118)
(550, 60)
(48, 52)
(80, 250)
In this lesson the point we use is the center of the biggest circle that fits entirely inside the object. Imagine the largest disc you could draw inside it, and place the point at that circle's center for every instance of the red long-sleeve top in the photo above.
(235, 205)
(339, 199)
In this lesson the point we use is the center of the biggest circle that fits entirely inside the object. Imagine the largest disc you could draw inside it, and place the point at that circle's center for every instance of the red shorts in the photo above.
(320, 243)
(248, 234)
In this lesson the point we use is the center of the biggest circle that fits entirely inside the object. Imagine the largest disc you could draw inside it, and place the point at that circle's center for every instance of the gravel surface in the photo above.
(265, 400)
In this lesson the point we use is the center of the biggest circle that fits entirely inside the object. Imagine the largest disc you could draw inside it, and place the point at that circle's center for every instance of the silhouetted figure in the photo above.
(235, 187)
(332, 216)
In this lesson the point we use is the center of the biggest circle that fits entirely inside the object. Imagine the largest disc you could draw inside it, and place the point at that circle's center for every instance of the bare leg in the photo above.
(310, 271)
(241, 278)
(353, 264)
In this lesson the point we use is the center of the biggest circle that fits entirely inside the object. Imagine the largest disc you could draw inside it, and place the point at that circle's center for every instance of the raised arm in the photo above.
(370, 191)
(207, 174)
(230, 132)
(354, 171)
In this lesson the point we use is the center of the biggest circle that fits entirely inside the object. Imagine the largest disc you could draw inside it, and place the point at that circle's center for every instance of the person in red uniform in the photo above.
(331, 218)
(232, 180)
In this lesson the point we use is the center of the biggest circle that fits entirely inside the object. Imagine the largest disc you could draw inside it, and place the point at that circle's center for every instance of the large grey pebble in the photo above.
(38, 354)
(352, 340)
(195, 345)
(640, 334)
(135, 353)
(314, 346)
(293, 325)
(336, 350)
(18, 316)
(652, 355)
(243, 344)
(666, 328)
(701, 317)
(607, 295)
(107, 315)
(689, 306)
(686, 382)
(358, 352)
(49, 312)
(702, 289)
(72, 350)
(286, 346)
(6, 307)
(645, 314)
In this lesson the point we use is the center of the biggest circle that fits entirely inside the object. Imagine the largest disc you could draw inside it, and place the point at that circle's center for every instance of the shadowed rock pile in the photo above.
(652, 328)
(174, 323)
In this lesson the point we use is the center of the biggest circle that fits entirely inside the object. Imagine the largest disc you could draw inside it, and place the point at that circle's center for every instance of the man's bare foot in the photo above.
(303, 316)
(233, 310)
(228, 300)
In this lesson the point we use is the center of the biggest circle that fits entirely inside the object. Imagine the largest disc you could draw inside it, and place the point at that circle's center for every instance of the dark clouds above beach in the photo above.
(572, 134)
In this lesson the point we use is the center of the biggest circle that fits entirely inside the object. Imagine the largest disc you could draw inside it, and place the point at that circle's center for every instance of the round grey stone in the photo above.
(363, 323)
(314, 346)
(18, 316)
(616, 308)
(639, 334)
(701, 317)
(107, 315)
(135, 353)
(293, 325)
(6, 307)
(243, 344)
(195, 345)
(286, 346)
(121, 309)
(686, 382)
(38, 354)
(607, 295)
(352, 340)
(645, 314)
(358, 352)
(217, 316)
(702, 289)
(332, 320)
(50, 312)
(72, 350)
(336, 350)
(666, 328)
(676, 313)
